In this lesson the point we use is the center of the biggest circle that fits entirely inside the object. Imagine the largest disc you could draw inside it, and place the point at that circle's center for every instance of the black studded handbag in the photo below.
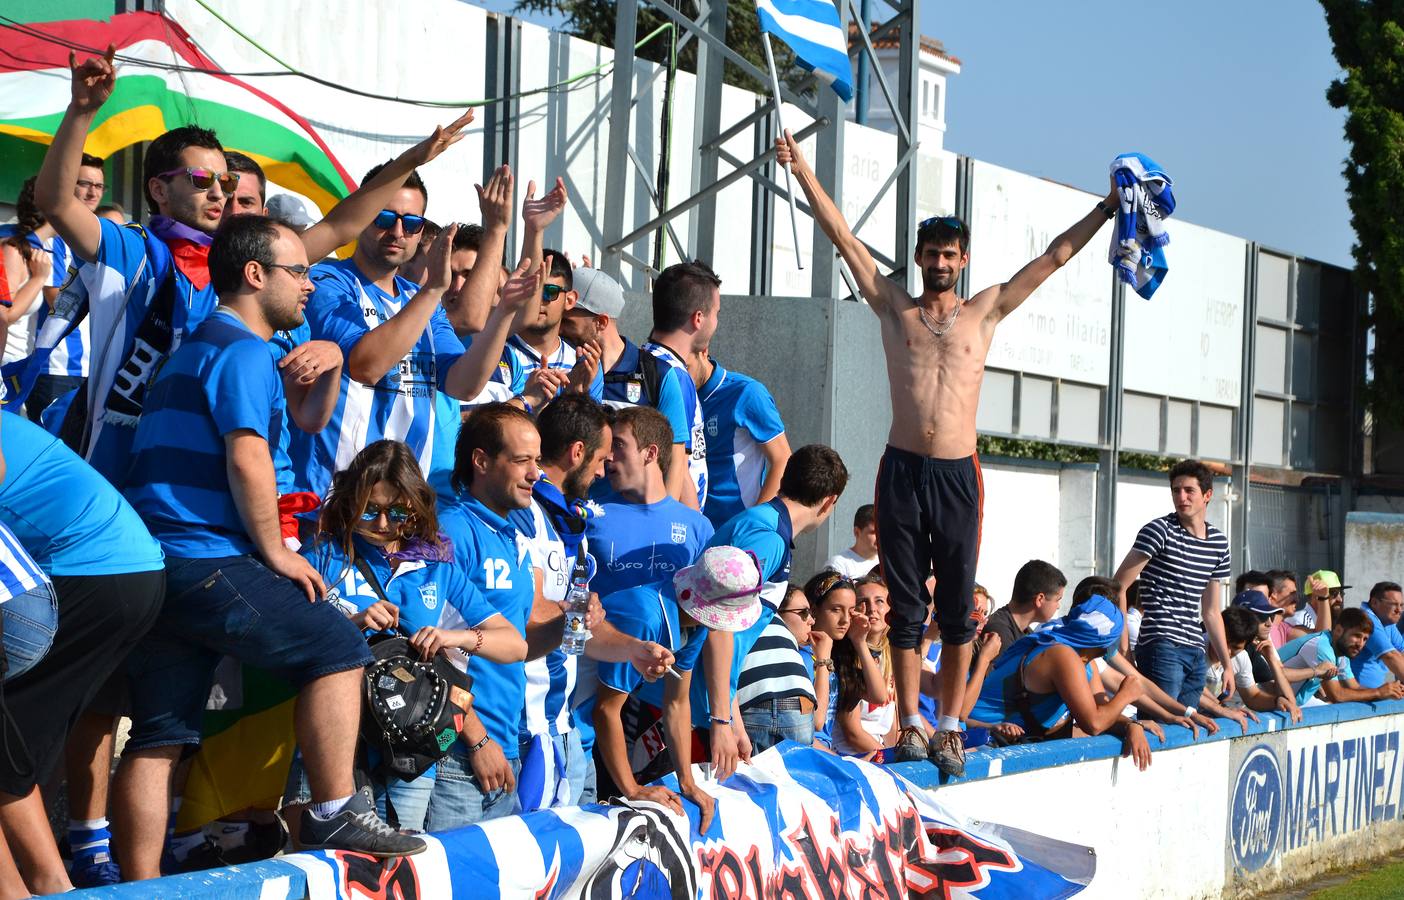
(413, 709)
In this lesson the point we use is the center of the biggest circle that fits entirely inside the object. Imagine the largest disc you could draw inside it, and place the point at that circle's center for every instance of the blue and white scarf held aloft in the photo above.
(1146, 201)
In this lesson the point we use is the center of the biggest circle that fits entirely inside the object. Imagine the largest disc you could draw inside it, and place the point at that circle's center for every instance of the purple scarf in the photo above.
(416, 549)
(168, 229)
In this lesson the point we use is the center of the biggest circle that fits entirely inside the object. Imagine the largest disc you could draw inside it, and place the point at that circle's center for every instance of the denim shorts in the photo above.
(767, 726)
(30, 621)
(234, 606)
(458, 801)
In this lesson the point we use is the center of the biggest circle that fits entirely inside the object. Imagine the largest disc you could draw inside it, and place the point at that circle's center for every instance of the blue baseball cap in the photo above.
(1256, 601)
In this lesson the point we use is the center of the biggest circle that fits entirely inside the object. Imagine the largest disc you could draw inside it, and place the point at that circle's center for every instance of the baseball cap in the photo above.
(1256, 601)
(1330, 579)
(722, 589)
(598, 293)
(290, 209)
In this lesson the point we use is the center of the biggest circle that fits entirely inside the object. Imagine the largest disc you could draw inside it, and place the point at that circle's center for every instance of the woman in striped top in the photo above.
(775, 691)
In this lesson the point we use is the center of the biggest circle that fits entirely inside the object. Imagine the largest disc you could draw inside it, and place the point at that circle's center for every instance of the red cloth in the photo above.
(289, 505)
(193, 260)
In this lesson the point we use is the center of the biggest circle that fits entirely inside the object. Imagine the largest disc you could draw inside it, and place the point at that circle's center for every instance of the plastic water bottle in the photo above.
(576, 603)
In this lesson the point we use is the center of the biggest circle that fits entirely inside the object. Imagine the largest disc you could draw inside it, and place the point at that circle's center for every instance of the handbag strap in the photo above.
(369, 575)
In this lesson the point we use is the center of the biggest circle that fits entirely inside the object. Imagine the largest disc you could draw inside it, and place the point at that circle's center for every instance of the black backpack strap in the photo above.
(369, 575)
(650, 371)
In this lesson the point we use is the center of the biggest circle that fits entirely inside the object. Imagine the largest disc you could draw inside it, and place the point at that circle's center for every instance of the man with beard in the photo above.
(929, 490)
(1322, 661)
(575, 444)
(150, 289)
(203, 481)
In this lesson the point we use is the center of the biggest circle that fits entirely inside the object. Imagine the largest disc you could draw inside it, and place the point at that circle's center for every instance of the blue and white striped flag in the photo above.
(814, 30)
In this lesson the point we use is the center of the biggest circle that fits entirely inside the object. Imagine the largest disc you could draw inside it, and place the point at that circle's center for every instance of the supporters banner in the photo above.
(799, 823)
(163, 81)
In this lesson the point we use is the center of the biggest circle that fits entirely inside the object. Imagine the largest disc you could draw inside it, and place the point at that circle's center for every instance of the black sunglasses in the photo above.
(803, 612)
(385, 220)
(947, 221)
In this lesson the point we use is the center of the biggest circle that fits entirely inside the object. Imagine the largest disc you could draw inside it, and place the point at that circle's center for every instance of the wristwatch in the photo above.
(1108, 211)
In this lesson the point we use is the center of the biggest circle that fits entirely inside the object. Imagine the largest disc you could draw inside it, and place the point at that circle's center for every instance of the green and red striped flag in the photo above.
(149, 99)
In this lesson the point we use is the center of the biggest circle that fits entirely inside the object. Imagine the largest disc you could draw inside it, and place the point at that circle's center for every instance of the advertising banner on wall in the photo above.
(1064, 329)
(798, 823)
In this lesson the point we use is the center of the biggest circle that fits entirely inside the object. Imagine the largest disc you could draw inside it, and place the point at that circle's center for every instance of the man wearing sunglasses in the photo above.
(202, 479)
(929, 490)
(151, 288)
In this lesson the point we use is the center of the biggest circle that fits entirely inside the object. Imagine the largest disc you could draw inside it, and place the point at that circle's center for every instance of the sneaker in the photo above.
(911, 744)
(97, 870)
(207, 855)
(262, 840)
(947, 751)
(357, 828)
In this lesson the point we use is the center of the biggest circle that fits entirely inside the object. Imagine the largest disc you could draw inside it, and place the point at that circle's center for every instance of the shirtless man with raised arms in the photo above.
(929, 489)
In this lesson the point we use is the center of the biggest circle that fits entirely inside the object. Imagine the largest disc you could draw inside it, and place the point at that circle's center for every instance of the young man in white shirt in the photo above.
(858, 560)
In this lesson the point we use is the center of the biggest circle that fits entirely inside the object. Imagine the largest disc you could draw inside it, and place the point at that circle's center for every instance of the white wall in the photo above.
(1020, 524)
(1374, 550)
(1226, 818)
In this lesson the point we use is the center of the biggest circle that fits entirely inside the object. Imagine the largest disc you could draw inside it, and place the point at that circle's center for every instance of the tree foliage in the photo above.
(1368, 38)
(593, 20)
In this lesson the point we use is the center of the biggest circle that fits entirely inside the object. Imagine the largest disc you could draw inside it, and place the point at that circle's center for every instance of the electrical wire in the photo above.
(570, 83)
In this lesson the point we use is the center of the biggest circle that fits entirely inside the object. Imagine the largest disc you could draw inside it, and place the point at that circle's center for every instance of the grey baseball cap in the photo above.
(598, 293)
(291, 210)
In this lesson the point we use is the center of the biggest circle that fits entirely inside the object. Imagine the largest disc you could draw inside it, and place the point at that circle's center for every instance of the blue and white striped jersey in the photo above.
(18, 572)
(70, 355)
(697, 446)
(400, 406)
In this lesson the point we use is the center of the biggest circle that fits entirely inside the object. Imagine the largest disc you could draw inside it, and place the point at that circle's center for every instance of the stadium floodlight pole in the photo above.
(780, 128)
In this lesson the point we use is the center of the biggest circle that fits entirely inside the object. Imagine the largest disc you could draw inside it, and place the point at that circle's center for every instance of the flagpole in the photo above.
(780, 124)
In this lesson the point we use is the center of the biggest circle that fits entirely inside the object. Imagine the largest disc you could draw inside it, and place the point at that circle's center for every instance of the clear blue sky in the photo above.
(1228, 96)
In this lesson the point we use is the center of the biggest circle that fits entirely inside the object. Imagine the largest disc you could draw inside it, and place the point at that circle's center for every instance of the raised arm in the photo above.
(537, 216)
(312, 382)
(468, 311)
(92, 84)
(521, 297)
(881, 293)
(382, 348)
(347, 219)
(1007, 297)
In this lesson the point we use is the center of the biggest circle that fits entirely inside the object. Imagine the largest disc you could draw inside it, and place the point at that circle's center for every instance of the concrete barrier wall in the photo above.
(1232, 815)
(1374, 549)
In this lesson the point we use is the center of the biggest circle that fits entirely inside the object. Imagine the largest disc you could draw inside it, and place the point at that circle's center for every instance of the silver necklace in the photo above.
(938, 329)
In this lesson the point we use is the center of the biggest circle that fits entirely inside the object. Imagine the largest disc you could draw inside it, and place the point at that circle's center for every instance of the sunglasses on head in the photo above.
(204, 179)
(550, 292)
(385, 220)
(947, 221)
(396, 515)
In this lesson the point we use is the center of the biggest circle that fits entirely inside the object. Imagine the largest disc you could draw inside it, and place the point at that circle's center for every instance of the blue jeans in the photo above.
(236, 607)
(457, 800)
(30, 620)
(580, 767)
(1176, 669)
(767, 726)
(411, 801)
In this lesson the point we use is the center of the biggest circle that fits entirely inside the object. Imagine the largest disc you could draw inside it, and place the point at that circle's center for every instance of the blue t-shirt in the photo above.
(648, 612)
(221, 380)
(766, 531)
(691, 413)
(282, 343)
(640, 543)
(122, 284)
(401, 405)
(66, 515)
(429, 594)
(1308, 651)
(487, 548)
(740, 416)
(1370, 672)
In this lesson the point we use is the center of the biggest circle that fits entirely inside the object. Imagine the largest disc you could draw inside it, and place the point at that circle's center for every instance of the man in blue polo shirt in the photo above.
(149, 289)
(495, 468)
(641, 534)
(746, 443)
(203, 479)
(814, 479)
(686, 306)
(1382, 657)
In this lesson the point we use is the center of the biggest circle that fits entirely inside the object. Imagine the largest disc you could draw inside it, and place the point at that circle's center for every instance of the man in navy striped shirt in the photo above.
(1180, 560)
(203, 479)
